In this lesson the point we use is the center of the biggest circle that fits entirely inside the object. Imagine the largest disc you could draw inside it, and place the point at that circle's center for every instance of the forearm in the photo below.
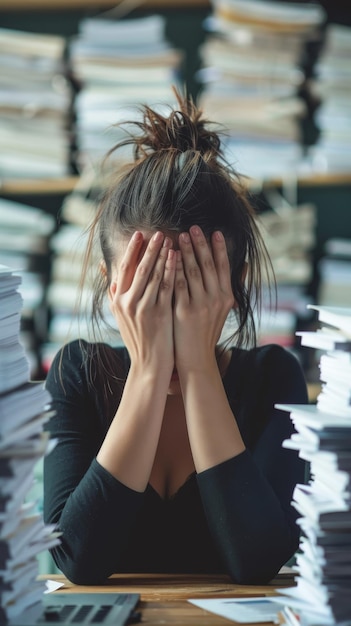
(95, 523)
(213, 432)
(254, 534)
(129, 448)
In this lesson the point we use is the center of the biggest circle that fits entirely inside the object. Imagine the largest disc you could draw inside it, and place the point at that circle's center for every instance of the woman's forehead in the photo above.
(124, 239)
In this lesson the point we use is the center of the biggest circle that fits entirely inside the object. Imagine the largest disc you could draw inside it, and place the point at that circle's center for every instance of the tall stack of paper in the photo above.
(252, 73)
(118, 64)
(35, 101)
(323, 438)
(23, 412)
(289, 234)
(25, 232)
(335, 273)
(332, 153)
(69, 302)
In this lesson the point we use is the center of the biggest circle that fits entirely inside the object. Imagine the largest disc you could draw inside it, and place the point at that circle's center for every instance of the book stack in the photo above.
(35, 101)
(23, 412)
(323, 438)
(25, 233)
(252, 75)
(335, 272)
(289, 234)
(332, 153)
(69, 301)
(117, 64)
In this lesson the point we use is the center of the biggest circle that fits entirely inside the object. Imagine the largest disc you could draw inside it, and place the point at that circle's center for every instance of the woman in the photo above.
(169, 454)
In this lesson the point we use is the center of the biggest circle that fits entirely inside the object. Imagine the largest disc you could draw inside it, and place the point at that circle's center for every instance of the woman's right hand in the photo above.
(141, 302)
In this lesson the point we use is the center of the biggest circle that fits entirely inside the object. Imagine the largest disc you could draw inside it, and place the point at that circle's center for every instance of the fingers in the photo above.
(205, 268)
(221, 261)
(160, 284)
(181, 290)
(136, 273)
(128, 264)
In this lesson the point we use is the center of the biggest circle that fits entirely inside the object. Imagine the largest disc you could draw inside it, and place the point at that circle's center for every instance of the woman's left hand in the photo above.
(203, 298)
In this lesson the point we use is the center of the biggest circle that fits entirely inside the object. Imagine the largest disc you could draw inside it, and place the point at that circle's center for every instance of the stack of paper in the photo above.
(252, 75)
(24, 246)
(332, 153)
(35, 101)
(118, 64)
(23, 412)
(323, 438)
(289, 234)
(70, 302)
(334, 270)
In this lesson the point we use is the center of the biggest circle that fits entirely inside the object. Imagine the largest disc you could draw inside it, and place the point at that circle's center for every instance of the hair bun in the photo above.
(183, 129)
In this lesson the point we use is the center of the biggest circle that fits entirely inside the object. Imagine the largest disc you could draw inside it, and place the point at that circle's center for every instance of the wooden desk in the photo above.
(163, 597)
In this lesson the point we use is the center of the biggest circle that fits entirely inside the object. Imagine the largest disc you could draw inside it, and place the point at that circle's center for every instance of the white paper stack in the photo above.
(252, 74)
(118, 64)
(332, 153)
(323, 438)
(35, 101)
(23, 412)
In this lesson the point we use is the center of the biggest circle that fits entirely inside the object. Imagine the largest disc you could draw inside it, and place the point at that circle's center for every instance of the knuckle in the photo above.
(181, 283)
(165, 285)
(194, 272)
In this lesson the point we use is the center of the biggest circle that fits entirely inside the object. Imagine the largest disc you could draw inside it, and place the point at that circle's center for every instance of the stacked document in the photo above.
(70, 302)
(35, 101)
(252, 75)
(323, 438)
(25, 232)
(116, 65)
(333, 87)
(23, 412)
(289, 234)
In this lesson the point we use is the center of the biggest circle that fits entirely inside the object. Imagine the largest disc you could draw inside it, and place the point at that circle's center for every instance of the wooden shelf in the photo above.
(38, 186)
(29, 5)
(67, 184)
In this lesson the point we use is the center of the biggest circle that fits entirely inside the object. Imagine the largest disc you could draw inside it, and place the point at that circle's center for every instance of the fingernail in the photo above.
(158, 236)
(137, 236)
(195, 230)
(219, 235)
(185, 237)
(167, 242)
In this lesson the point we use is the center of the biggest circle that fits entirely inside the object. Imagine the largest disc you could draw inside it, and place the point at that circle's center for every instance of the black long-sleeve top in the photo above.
(233, 518)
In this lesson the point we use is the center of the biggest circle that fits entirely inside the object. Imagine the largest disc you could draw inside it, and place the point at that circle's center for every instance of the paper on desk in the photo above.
(52, 585)
(242, 610)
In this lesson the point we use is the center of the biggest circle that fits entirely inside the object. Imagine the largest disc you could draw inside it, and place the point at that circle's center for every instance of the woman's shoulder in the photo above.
(81, 360)
(272, 368)
(265, 355)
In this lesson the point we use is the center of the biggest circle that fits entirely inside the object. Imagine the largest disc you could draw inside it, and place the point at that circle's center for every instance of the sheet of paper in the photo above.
(242, 610)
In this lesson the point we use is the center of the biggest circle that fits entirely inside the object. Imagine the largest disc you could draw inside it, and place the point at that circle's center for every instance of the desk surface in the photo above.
(164, 597)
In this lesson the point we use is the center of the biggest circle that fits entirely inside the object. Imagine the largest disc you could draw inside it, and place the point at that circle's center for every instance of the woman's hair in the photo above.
(179, 177)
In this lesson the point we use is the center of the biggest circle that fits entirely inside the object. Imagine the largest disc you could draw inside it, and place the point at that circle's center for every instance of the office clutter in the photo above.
(25, 233)
(289, 234)
(332, 85)
(253, 74)
(23, 413)
(334, 269)
(116, 64)
(35, 100)
(323, 438)
(69, 302)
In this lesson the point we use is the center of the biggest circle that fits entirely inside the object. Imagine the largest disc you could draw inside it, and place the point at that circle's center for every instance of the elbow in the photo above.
(257, 574)
(78, 571)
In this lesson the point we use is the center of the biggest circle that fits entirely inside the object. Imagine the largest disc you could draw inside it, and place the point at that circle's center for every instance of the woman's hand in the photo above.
(203, 298)
(141, 302)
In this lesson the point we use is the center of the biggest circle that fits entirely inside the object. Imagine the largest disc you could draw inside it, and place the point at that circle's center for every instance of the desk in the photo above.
(163, 597)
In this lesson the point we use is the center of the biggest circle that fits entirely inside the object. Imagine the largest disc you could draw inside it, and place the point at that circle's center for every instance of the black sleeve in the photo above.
(247, 499)
(90, 507)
